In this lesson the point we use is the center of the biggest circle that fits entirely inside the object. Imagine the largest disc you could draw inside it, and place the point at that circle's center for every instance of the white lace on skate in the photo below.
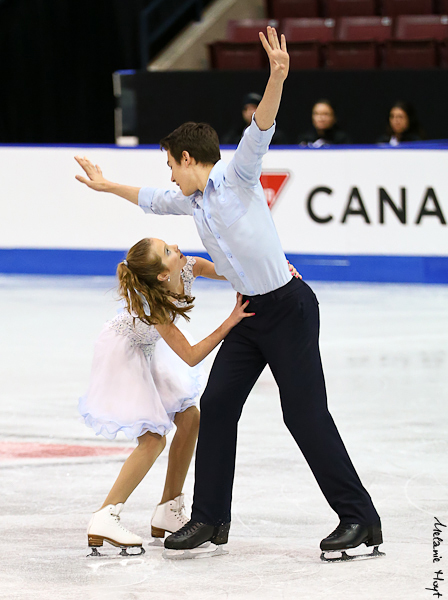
(167, 517)
(105, 526)
(116, 517)
(179, 514)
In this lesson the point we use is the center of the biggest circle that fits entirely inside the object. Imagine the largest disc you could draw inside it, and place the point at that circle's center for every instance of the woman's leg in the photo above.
(181, 452)
(150, 445)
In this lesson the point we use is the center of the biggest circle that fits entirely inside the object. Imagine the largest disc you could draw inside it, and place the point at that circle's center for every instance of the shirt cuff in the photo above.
(145, 198)
(257, 133)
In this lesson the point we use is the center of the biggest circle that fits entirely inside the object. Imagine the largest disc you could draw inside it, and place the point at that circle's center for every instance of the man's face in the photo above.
(181, 175)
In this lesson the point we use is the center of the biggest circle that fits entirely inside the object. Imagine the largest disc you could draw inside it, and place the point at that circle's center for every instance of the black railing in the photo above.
(158, 18)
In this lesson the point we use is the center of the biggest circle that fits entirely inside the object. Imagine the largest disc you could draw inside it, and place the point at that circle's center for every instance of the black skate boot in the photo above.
(197, 540)
(352, 535)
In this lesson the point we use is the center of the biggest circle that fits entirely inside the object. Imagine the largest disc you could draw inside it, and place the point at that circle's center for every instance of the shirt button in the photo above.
(209, 216)
(218, 236)
(241, 274)
(229, 255)
(252, 293)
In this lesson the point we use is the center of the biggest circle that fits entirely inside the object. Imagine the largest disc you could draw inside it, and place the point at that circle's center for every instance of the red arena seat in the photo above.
(236, 56)
(421, 27)
(352, 55)
(349, 8)
(308, 30)
(358, 29)
(402, 54)
(392, 8)
(304, 55)
(282, 9)
(247, 30)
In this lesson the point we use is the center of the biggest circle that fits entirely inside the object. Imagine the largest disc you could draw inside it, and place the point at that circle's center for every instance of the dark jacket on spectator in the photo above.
(334, 135)
(407, 136)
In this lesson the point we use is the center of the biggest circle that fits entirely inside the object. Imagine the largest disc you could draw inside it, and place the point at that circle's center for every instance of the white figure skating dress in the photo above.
(138, 383)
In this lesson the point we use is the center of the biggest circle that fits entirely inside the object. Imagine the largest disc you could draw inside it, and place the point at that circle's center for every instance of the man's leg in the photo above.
(292, 351)
(237, 367)
(235, 370)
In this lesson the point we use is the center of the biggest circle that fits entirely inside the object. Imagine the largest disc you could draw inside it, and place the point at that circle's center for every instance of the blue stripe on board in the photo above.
(398, 269)
(393, 269)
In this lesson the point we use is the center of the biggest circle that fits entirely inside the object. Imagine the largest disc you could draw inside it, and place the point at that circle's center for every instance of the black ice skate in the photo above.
(197, 540)
(351, 535)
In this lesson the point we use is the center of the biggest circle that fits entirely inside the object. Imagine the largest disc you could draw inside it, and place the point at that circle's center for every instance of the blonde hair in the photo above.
(139, 286)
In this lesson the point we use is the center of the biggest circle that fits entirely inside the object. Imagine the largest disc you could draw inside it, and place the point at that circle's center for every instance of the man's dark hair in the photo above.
(200, 140)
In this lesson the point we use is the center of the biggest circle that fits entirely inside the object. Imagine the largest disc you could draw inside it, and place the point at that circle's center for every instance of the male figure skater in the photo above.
(232, 217)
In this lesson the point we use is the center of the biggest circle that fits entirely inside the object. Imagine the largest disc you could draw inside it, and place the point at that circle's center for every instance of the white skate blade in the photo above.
(342, 556)
(206, 550)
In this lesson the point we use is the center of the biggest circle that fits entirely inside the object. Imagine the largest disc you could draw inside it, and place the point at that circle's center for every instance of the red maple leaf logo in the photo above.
(273, 183)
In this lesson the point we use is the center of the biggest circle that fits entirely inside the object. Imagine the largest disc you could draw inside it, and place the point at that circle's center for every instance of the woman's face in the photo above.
(323, 116)
(172, 258)
(398, 120)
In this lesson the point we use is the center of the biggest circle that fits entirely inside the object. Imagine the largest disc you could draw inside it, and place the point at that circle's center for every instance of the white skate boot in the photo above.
(168, 517)
(105, 526)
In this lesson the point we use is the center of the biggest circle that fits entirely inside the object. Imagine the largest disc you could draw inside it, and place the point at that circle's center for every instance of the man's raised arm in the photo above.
(97, 182)
(279, 63)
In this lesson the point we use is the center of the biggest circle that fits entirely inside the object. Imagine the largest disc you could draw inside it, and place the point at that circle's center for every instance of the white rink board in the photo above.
(43, 206)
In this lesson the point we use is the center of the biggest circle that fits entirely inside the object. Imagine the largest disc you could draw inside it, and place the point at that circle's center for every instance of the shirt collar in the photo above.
(217, 174)
(197, 199)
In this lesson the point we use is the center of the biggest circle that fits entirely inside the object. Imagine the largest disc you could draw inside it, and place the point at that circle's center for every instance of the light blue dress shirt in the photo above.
(233, 218)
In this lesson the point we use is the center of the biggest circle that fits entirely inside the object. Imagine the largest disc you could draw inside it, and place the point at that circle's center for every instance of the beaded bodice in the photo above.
(146, 336)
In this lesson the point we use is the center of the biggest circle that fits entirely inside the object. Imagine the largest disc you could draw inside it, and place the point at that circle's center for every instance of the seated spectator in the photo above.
(402, 125)
(249, 106)
(325, 130)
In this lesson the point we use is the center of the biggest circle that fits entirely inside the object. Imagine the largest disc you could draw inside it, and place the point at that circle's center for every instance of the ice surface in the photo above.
(385, 355)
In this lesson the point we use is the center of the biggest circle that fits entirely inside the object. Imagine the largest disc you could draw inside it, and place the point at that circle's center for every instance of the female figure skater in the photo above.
(140, 387)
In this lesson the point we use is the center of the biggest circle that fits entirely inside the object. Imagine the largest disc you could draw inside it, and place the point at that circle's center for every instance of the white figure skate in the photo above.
(105, 526)
(167, 517)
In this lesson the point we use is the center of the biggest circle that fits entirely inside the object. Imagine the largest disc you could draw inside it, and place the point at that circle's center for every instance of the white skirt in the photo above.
(134, 394)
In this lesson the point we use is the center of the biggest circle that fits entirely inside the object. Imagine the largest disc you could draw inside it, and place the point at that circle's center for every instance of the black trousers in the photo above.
(284, 334)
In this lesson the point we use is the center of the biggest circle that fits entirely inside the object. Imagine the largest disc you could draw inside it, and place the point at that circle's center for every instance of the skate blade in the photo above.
(124, 553)
(206, 550)
(344, 557)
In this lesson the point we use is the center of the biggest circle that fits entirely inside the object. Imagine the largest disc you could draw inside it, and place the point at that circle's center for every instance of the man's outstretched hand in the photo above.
(97, 182)
(277, 52)
(95, 179)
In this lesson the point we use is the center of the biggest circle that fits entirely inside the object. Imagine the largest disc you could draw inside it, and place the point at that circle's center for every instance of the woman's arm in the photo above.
(193, 355)
(205, 268)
